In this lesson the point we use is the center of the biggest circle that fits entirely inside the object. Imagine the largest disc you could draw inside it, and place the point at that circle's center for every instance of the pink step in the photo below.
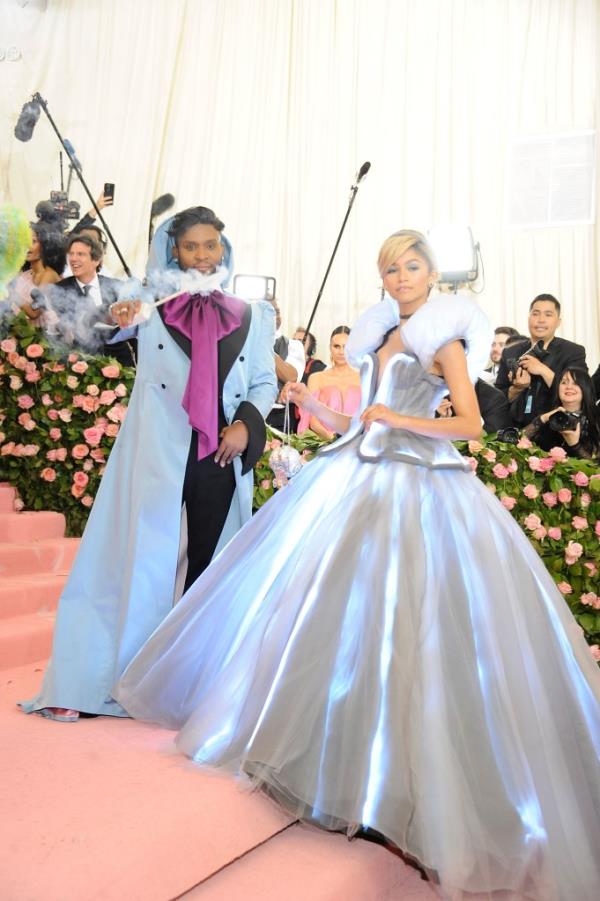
(7, 498)
(303, 863)
(20, 527)
(20, 595)
(50, 555)
(24, 639)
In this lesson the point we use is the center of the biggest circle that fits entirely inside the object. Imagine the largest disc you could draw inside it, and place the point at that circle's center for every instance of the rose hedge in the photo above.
(59, 417)
(555, 499)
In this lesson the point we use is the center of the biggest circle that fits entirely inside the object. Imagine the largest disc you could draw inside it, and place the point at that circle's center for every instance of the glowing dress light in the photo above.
(381, 645)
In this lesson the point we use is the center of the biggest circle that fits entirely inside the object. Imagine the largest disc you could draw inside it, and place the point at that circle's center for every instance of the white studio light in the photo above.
(455, 252)
(254, 287)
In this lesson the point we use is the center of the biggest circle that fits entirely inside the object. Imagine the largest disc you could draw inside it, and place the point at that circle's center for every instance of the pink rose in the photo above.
(9, 345)
(265, 483)
(15, 382)
(558, 454)
(573, 552)
(547, 464)
(597, 528)
(18, 505)
(475, 447)
(564, 588)
(490, 487)
(30, 450)
(97, 454)
(2, 437)
(554, 533)
(22, 418)
(112, 430)
(121, 390)
(579, 523)
(512, 466)
(18, 450)
(33, 377)
(88, 464)
(30, 366)
(473, 463)
(55, 434)
(500, 471)
(46, 400)
(52, 414)
(20, 363)
(35, 350)
(25, 402)
(117, 413)
(508, 502)
(80, 367)
(77, 490)
(93, 390)
(107, 397)
(589, 599)
(595, 651)
(7, 449)
(89, 404)
(72, 358)
(585, 499)
(565, 495)
(112, 371)
(80, 451)
(550, 498)
(489, 455)
(524, 443)
(65, 415)
(72, 382)
(530, 491)
(30, 425)
(540, 533)
(534, 464)
(51, 455)
(61, 454)
(93, 435)
(580, 479)
(87, 500)
(48, 474)
(591, 568)
(81, 479)
(532, 522)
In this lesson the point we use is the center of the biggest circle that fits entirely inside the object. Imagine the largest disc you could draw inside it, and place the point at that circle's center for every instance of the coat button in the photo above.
(242, 359)
(238, 395)
(161, 346)
(163, 386)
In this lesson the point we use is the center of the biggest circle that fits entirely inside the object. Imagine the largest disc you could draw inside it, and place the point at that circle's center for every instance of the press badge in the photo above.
(529, 403)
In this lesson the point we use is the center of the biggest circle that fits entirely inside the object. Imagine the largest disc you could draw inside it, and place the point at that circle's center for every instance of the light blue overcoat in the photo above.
(122, 584)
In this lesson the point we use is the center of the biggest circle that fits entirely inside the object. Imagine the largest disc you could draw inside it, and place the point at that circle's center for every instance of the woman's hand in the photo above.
(381, 414)
(296, 393)
(234, 441)
(544, 417)
(123, 312)
(445, 409)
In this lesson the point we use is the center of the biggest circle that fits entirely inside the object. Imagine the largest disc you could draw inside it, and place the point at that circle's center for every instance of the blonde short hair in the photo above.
(401, 241)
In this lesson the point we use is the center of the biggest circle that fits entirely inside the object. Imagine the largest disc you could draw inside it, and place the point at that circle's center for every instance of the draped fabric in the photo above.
(265, 110)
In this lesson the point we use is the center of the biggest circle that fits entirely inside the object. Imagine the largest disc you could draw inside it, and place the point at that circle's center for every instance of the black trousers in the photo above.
(208, 489)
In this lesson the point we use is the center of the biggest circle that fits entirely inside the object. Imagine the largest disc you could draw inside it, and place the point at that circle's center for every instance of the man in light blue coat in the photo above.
(178, 484)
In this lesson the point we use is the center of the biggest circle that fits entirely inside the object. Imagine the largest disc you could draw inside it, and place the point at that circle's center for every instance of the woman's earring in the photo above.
(382, 292)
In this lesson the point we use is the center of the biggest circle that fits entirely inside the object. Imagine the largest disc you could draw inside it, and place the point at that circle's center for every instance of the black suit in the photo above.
(78, 316)
(537, 398)
(208, 487)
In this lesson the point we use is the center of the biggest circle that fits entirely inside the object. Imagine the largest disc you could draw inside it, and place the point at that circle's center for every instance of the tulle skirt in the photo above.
(381, 646)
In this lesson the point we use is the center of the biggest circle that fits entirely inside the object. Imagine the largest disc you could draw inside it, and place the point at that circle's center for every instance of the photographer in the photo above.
(527, 369)
(573, 423)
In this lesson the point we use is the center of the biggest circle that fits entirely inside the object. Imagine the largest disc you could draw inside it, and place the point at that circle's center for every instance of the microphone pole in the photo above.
(353, 191)
(39, 99)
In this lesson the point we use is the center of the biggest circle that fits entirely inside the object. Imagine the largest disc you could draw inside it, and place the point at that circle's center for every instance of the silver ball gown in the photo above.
(382, 646)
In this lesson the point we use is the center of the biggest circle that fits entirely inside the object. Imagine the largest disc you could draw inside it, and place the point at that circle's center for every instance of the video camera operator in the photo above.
(573, 422)
(527, 371)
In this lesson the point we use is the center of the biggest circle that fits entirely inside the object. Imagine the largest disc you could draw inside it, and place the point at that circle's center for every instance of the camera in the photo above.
(537, 351)
(561, 421)
(65, 208)
(509, 435)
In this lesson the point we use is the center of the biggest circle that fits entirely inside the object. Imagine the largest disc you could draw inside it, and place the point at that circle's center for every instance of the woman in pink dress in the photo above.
(338, 386)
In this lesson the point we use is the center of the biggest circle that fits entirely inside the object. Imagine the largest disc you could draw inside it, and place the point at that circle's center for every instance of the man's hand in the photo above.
(123, 312)
(381, 414)
(297, 393)
(234, 441)
(534, 366)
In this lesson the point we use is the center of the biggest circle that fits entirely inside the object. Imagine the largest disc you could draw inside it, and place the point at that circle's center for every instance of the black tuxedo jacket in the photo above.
(229, 349)
(537, 398)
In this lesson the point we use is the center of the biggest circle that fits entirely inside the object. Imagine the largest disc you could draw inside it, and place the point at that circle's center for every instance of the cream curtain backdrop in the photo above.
(264, 110)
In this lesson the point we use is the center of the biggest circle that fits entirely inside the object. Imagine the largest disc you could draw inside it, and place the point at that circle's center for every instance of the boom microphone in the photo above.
(27, 120)
(69, 147)
(362, 172)
(161, 205)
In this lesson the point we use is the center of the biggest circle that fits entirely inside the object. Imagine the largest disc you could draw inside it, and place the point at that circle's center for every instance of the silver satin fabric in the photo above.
(381, 645)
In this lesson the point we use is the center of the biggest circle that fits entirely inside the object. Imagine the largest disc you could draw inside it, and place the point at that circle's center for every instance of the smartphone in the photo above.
(109, 190)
